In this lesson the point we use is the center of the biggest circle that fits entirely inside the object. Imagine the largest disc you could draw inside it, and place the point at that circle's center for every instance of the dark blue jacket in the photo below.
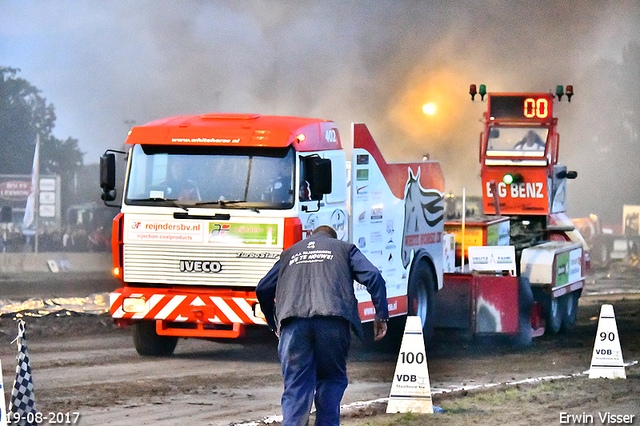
(314, 277)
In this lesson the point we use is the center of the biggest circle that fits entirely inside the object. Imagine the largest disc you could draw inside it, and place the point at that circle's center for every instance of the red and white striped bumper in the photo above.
(185, 307)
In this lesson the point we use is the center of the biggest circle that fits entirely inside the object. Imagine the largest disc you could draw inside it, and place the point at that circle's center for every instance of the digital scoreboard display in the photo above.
(533, 107)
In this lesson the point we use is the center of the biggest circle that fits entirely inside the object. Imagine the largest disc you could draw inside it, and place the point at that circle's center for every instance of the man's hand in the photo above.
(379, 329)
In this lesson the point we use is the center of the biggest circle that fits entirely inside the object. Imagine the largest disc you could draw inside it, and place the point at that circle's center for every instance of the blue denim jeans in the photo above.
(313, 353)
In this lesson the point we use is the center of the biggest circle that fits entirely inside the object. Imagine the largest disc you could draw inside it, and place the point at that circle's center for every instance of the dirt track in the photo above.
(83, 363)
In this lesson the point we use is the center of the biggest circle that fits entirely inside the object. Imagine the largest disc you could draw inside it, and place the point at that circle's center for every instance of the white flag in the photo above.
(30, 209)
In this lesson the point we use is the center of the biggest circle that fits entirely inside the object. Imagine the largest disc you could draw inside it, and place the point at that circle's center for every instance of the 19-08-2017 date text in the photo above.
(52, 418)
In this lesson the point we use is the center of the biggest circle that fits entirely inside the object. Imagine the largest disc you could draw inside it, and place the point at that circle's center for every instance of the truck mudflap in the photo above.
(478, 303)
(212, 313)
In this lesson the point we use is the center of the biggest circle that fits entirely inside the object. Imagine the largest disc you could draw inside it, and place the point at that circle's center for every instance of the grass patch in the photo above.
(474, 407)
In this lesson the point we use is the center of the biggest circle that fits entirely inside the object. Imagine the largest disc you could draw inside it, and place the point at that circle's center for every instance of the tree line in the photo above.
(25, 113)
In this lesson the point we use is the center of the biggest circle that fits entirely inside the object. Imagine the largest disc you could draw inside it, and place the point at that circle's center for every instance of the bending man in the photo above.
(308, 299)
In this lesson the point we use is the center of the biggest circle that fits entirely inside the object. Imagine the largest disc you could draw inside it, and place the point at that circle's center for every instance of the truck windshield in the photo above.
(250, 178)
(517, 141)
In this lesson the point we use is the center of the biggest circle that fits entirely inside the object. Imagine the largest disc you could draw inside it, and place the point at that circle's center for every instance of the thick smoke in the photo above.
(105, 64)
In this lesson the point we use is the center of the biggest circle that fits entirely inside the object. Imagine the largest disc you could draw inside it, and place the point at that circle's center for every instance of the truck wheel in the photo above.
(555, 312)
(570, 310)
(524, 338)
(420, 297)
(149, 343)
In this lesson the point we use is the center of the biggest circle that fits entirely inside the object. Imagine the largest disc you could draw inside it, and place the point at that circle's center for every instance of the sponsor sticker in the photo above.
(164, 231)
(247, 233)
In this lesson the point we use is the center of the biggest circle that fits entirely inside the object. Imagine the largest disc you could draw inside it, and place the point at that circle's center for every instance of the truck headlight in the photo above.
(257, 312)
(133, 305)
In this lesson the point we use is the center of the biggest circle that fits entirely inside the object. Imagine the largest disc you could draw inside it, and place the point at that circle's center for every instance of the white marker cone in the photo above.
(411, 391)
(606, 360)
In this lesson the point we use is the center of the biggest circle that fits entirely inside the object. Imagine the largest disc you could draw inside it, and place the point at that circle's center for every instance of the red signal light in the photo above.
(569, 92)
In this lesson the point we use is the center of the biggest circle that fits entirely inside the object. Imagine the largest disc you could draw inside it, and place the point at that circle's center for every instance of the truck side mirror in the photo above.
(108, 176)
(108, 171)
(319, 176)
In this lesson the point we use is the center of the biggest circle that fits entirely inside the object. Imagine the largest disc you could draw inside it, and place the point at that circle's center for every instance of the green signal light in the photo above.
(483, 91)
(512, 178)
(508, 179)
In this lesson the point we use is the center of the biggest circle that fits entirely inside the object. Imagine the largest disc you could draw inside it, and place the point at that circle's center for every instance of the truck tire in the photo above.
(420, 296)
(570, 310)
(555, 312)
(524, 338)
(148, 343)
(551, 310)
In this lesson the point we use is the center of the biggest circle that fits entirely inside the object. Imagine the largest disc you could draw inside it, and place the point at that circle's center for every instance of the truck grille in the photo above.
(203, 266)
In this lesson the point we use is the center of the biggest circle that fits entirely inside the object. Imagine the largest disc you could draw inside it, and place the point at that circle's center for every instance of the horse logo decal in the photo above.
(423, 216)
